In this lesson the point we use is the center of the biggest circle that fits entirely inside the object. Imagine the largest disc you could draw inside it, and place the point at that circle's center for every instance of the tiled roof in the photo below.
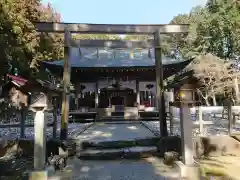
(17, 79)
(91, 57)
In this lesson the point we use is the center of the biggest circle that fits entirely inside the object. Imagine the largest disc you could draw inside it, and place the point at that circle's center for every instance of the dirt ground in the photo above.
(223, 165)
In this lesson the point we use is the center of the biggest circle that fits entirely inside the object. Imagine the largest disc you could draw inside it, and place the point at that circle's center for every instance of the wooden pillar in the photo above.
(76, 96)
(200, 120)
(96, 95)
(186, 134)
(230, 118)
(159, 85)
(22, 122)
(66, 87)
(137, 93)
(171, 112)
(55, 115)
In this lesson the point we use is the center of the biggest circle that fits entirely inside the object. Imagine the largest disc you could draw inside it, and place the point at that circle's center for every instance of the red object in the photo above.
(17, 79)
(146, 103)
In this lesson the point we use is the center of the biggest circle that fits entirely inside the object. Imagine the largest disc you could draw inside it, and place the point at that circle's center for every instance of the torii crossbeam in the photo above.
(111, 28)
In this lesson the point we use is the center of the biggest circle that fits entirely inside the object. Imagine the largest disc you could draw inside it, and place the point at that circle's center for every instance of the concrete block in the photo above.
(38, 175)
(188, 172)
(62, 175)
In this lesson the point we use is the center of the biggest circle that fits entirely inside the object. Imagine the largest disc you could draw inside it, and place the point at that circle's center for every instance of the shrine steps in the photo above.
(236, 137)
(115, 118)
(122, 149)
(137, 152)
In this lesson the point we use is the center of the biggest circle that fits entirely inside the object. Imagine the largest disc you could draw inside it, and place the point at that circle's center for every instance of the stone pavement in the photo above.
(148, 169)
(115, 132)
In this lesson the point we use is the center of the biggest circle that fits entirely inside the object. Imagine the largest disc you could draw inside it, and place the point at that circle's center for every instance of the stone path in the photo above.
(149, 169)
(115, 132)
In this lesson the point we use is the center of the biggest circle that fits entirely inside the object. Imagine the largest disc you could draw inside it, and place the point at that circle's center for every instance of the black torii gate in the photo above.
(155, 30)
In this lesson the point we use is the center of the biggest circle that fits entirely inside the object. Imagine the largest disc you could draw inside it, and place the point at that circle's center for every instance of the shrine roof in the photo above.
(17, 80)
(101, 58)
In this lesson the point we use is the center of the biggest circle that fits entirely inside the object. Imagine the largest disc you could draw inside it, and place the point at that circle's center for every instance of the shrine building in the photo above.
(112, 81)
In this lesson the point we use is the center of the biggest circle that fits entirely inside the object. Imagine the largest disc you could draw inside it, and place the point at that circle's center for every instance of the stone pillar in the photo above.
(188, 168)
(230, 117)
(39, 141)
(236, 89)
(96, 95)
(137, 93)
(186, 134)
(22, 122)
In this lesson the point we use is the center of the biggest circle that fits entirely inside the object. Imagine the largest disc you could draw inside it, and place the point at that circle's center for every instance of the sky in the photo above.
(122, 11)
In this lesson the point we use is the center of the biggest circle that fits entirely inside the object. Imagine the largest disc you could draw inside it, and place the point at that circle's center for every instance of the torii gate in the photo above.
(156, 30)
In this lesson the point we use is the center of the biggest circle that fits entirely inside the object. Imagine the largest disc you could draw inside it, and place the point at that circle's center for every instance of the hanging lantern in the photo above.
(82, 87)
(131, 54)
(149, 53)
(185, 94)
(149, 86)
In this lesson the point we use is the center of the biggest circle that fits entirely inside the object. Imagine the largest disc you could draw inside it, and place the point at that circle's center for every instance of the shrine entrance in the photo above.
(118, 97)
(117, 100)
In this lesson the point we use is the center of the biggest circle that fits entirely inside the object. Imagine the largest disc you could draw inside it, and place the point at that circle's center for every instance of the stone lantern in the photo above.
(185, 94)
(40, 101)
(38, 104)
(41, 95)
(185, 99)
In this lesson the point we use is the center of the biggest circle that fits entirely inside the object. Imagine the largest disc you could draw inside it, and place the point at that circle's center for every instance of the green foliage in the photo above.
(214, 29)
(21, 46)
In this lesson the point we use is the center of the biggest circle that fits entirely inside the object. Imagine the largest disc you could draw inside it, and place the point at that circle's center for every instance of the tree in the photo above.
(216, 76)
(165, 44)
(50, 45)
(187, 42)
(21, 46)
(213, 29)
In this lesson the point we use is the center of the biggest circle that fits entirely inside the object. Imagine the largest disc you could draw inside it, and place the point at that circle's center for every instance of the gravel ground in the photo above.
(13, 168)
(74, 129)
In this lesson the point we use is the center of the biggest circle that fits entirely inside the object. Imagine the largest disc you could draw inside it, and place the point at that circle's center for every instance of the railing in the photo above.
(202, 118)
(226, 117)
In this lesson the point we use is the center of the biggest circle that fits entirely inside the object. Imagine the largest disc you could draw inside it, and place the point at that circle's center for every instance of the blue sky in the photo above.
(122, 11)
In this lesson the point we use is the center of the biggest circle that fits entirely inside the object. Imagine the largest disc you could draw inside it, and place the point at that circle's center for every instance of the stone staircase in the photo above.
(122, 149)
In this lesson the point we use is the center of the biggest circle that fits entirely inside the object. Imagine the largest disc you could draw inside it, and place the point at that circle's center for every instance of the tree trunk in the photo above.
(204, 97)
(214, 100)
(236, 88)
(206, 101)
